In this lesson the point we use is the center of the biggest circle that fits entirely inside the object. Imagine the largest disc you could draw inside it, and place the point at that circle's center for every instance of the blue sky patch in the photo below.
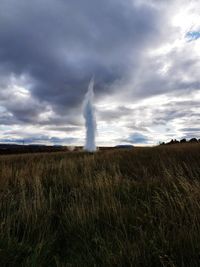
(193, 35)
(137, 138)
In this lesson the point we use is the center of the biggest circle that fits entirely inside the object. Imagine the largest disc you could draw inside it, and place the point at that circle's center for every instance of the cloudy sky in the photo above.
(144, 54)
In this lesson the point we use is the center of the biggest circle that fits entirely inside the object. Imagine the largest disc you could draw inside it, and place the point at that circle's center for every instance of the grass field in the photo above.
(138, 207)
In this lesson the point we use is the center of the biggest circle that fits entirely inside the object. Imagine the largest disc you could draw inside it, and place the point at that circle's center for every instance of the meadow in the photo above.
(138, 207)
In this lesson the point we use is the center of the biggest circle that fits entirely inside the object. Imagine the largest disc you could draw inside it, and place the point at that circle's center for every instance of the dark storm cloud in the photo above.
(60, 44)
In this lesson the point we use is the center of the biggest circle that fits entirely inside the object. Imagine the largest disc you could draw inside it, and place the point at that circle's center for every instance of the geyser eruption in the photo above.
(90, 120)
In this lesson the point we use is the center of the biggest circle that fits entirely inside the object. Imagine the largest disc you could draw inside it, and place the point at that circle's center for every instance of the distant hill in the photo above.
(124, 146)
(17, 149)
(37, 148)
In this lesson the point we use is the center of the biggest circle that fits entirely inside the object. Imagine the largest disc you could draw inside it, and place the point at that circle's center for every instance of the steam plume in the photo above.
(90, 120)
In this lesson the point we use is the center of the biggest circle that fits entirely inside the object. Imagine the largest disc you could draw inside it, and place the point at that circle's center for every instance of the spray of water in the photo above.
(90, 120)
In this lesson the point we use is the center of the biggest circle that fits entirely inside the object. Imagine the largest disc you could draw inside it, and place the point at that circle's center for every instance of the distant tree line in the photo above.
(182, 141)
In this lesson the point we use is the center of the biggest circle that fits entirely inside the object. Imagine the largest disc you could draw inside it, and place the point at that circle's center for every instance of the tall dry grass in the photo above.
(112, 208)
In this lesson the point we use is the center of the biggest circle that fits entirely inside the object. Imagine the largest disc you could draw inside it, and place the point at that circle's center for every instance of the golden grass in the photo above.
(138, 207)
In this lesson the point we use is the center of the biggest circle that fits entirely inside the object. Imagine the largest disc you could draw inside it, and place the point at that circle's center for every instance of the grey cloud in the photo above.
(182, 75)
(137, 128)
(136, 138)
(192, 129)
(7, 118)
(61, 44)
(40, 139)
(190, 135)
(114, 114)
(64, 128)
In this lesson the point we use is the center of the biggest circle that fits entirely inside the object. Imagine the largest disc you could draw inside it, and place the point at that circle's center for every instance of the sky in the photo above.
(144, 55)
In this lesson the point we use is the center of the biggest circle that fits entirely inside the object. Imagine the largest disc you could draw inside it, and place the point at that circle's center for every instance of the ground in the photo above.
(134, 207)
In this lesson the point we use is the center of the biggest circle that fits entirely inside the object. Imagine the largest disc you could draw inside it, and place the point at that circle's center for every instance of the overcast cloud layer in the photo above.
(144, 55)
